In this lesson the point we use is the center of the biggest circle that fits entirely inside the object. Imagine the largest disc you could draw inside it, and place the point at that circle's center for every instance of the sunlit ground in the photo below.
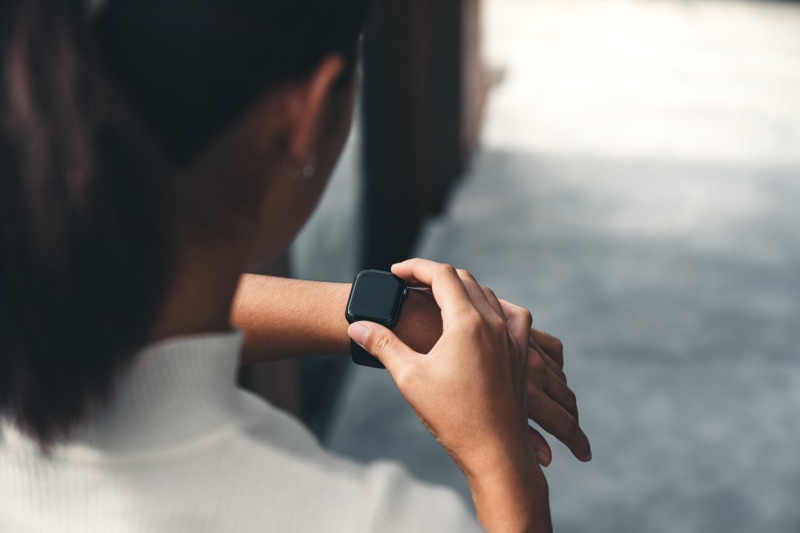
(711, 82)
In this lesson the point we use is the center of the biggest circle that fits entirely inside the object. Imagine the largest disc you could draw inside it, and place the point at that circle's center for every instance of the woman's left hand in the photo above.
(551, 403)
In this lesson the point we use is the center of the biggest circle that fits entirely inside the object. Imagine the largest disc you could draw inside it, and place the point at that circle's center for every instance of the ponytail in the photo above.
(83, 231)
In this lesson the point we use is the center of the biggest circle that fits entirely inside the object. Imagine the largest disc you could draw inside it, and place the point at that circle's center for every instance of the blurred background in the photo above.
(629, 171)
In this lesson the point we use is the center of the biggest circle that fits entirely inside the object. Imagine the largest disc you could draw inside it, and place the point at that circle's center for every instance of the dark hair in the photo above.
(96, 114)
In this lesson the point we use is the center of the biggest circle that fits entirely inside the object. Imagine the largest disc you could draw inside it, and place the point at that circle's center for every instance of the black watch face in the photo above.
(376, 297)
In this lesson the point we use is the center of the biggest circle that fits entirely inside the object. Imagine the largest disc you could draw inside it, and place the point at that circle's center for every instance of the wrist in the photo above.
(419, 324)
(284, 318)
(509, 490)
(517, 501)
(335, 324)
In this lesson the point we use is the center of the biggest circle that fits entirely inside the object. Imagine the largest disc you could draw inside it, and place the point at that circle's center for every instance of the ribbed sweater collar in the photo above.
(179, 392)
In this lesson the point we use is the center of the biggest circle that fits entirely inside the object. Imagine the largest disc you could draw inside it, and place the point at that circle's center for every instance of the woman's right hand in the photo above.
(470, 392)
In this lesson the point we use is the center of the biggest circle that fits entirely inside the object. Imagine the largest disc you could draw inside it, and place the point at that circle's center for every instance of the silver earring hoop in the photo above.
(305, 169)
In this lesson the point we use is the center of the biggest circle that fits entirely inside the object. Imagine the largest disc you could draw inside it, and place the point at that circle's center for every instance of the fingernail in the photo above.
(588, 456)
(544, 460)
(358, 333)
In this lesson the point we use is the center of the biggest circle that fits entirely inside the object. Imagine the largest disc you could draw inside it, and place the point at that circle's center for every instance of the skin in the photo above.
(473, 385)
(286, 318)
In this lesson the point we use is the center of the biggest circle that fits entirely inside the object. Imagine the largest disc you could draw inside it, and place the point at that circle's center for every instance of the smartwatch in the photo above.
(375, 296)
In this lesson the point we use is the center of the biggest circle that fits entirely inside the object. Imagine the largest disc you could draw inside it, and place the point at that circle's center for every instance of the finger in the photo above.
(475, 292)
(416, 284)
(519, 320)
(558, 422)
(541, 377)
(383, 344)
(551, 345)
(543, 452)
(556, 389)
(414, 270)
(448, 289)
(493, 301)
(552, 365)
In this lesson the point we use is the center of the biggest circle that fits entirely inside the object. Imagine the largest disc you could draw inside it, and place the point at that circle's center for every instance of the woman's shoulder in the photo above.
(273, 447)
(264, 467)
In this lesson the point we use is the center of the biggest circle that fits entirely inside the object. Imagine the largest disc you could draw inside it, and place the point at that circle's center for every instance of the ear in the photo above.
(307, 105)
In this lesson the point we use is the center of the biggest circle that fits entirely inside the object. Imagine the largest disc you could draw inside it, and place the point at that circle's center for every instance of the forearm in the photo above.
(284, 318)
(512, 498)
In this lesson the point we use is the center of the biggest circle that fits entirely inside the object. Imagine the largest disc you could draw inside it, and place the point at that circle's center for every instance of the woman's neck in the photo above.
(200, 294)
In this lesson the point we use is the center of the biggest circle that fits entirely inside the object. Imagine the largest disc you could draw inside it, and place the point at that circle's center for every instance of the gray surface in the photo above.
(639, 191)
(681, 343)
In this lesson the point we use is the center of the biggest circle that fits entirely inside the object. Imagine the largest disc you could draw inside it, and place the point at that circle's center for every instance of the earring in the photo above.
(303, 169)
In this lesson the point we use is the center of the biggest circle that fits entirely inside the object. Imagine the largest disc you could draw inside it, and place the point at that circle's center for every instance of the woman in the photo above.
(152, 151)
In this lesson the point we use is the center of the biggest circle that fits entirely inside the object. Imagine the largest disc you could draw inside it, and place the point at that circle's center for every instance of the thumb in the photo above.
(381, 342)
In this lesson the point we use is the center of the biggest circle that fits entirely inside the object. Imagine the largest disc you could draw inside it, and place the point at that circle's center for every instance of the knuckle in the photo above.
(465, 274)
(498, 323)
(533, 390)
(558, 347)
(571, 396)
(519, 312)
(446, 269)
(571, 425)
(527, 317)
(379, 346)
(571, 400)
(473, 320)
(535, 362)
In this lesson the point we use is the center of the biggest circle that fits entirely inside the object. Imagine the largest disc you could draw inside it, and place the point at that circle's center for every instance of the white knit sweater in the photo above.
(181, 449)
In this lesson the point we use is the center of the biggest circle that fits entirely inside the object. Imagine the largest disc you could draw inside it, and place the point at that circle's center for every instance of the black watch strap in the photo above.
(362, 357)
